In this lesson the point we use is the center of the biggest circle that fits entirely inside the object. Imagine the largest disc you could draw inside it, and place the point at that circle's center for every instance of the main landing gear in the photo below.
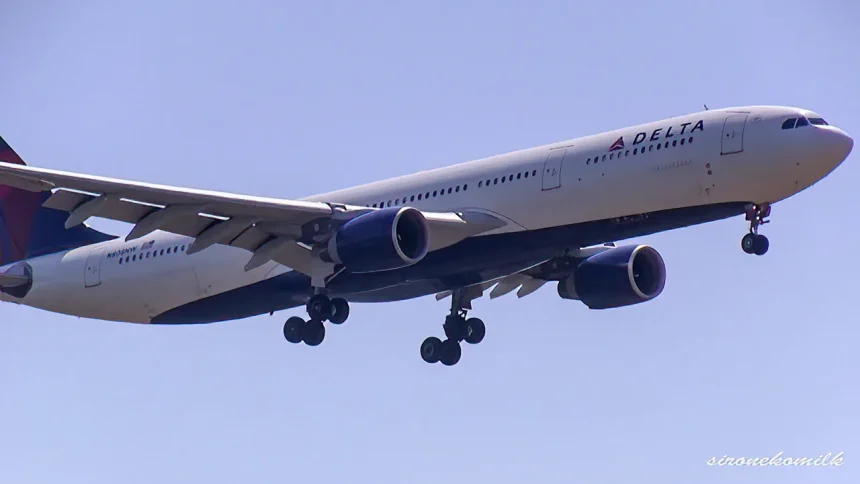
(320, 308)
(753, 242)
(457, 328)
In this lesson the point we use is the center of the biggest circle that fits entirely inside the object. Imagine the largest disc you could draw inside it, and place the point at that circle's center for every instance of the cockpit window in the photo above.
(802, 121)
(789, 123)
(818, 121)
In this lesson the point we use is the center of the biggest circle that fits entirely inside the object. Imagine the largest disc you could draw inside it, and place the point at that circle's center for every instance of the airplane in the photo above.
(516, 221)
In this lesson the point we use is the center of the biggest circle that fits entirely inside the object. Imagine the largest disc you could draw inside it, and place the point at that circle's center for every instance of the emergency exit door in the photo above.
(552, 169)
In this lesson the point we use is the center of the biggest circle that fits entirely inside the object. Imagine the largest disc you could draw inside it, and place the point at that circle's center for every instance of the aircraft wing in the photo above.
(271, 228)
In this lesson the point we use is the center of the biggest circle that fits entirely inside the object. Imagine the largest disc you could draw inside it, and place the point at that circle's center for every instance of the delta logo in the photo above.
(659, 135)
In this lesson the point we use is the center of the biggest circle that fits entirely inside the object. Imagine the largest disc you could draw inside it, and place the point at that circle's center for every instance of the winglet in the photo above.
(8, 155)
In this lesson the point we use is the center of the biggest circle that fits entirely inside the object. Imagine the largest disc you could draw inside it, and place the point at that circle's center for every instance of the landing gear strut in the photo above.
(320, 308)
(753, 242)
(457, 328)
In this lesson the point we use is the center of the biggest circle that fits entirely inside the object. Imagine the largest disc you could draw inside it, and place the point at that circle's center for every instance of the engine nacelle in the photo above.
(616, 277)
(380, 240)
(17, 280)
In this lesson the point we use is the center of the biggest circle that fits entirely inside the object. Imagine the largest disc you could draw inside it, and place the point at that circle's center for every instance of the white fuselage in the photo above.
(736, 155)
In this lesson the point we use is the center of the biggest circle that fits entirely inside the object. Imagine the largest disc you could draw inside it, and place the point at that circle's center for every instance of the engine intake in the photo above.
(381, 240)
(617, 277)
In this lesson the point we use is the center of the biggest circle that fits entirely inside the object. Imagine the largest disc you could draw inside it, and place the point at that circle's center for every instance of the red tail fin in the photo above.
(8, 155)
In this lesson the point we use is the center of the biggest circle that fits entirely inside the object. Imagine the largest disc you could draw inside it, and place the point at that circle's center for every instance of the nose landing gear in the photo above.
(320, 308)
(753, 242)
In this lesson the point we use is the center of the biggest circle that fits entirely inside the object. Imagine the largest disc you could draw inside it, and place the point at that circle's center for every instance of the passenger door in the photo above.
(733, 134)
(552, 168)
(93, 274)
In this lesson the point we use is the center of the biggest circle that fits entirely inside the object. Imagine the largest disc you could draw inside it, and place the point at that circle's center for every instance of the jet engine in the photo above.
(380, 240)
(616, 277)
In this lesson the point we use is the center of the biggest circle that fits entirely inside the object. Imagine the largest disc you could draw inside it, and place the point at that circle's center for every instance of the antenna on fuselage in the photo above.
(706, 107)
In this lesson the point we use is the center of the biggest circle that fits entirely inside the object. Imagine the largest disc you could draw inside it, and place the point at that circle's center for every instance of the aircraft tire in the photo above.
(293, 329)
(313, 333)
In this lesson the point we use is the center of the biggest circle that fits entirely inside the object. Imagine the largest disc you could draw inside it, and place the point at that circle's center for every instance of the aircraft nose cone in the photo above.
(845, 143)
(837, 145)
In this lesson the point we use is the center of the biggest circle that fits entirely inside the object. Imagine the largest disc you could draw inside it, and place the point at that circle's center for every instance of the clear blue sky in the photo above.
(741, 355)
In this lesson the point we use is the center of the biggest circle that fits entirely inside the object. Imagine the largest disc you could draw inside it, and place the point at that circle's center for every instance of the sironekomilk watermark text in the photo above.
(779, 460)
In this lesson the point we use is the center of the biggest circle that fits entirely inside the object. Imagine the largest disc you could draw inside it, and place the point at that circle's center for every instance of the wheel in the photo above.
(319, 307)
(313, 333)
(451, 352)
(475, 331)
(339, 310)
(748, 242)
(431, 348)
(293, 329)
(761, 245)
(455, 327)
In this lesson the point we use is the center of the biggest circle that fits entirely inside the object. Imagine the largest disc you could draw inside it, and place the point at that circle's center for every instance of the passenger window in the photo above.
(635, 151)
(690, 139)
(480, 184)
(412, 198)
(612, 156)
(495, 181)
(627, 153)
(682, 140)
(120, 260)
(434, 193)
(511, 178)
(658, 146)
(126, 258)
(162, 251)
(650, 147)
(419, 196)
(457, 189)
(666, 145)
(183, 248)
(465, 187)
(789, 123)
(527, 174)
(534, 172)
(604, 158)
(427, 195)
(503, 179)
(674, 142)
(134, 257)
(519, 175)
(449, 190)
(588, 161)
(802, 121)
